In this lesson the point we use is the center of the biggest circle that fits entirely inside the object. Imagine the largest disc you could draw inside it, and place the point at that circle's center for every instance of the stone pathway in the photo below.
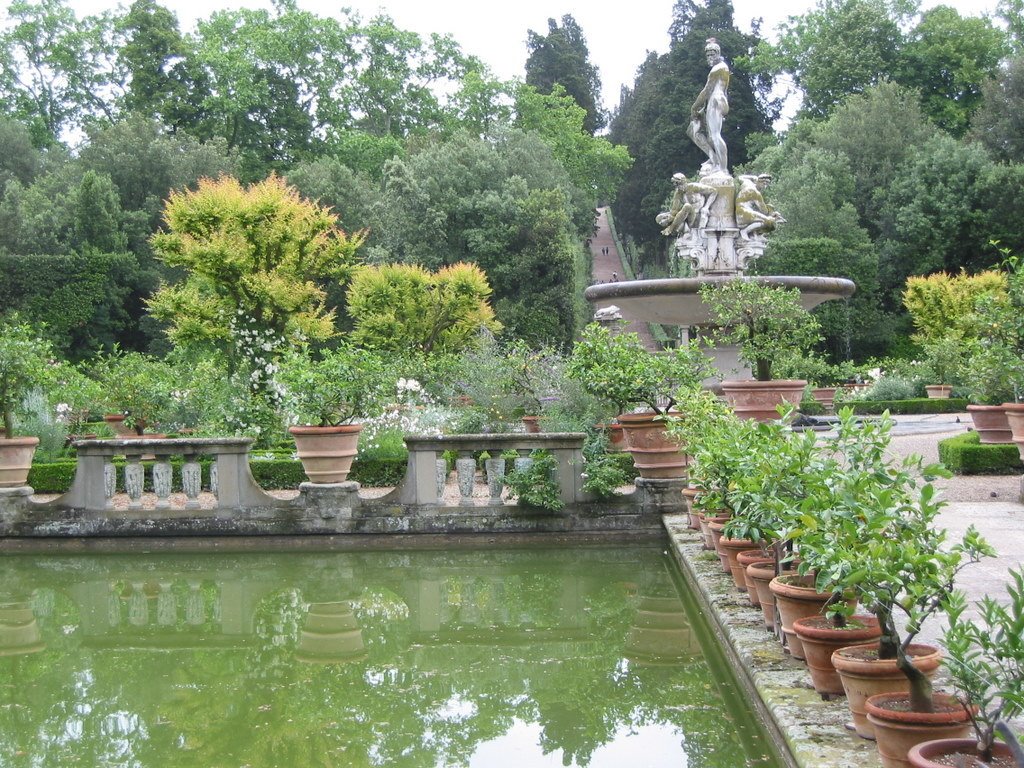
(607, 268)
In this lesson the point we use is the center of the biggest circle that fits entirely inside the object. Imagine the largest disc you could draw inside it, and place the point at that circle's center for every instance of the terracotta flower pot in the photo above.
(716, 529)
(863, 675)
(796, 597)
(15, 460)
(761, 575)
(531, 424)
(326, 453)
(938, 391)
(898, 730)
(654, 455)
(746, 559)
(820, 638)
(1015, 418)
(990, 423)
(732, 549)
(689, 494)
(758, 400)
(942, 753)
(705, 527)
(116, 422)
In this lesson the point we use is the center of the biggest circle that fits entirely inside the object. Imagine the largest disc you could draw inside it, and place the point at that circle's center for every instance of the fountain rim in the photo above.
(658, 300)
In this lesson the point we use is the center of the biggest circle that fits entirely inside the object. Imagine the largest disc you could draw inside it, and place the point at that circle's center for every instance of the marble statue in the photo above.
(753, 215)
(708, 113)
(691, 206)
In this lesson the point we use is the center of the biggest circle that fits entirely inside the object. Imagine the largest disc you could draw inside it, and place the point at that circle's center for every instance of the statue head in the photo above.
(678, 179)
(763, 180)
(712, 50)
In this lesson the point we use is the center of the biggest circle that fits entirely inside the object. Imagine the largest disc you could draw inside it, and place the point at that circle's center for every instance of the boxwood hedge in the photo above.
(966, 455)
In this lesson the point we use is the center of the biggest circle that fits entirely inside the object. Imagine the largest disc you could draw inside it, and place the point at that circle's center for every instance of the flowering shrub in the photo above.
(413, 412)
(342, 384)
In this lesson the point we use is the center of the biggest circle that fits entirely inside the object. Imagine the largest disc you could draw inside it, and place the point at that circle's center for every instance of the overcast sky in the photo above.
(618, 35)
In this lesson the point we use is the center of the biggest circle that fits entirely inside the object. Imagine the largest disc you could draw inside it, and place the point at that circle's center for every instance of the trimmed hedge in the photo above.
(918, 405)
(966, 455)
(272, 474)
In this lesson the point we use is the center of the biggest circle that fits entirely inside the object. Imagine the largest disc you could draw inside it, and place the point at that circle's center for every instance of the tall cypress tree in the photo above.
(561, 57)
(652, 117)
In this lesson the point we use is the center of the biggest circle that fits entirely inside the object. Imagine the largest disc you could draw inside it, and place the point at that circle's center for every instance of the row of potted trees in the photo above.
(849, 527)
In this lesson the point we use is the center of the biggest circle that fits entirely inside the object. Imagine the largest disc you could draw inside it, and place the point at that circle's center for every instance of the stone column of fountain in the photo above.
(720, 226)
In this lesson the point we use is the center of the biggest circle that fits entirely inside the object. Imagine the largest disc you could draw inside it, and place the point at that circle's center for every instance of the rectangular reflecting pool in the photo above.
(483, 657)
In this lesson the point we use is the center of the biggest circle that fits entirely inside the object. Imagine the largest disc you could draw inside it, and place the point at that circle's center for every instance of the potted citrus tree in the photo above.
(322, 395)
(136, 390)
(766, 322)
(878, 538)
(24, 366)
(618, 368)
(985, 661)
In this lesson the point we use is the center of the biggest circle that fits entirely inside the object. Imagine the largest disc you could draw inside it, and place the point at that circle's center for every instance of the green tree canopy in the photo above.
(561, 57)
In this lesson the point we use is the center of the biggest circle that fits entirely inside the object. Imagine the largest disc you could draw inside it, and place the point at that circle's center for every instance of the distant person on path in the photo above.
(709, 110)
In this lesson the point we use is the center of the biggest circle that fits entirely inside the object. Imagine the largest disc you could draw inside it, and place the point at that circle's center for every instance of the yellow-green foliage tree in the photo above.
(404, 307)
(256, 260)
(943, 305)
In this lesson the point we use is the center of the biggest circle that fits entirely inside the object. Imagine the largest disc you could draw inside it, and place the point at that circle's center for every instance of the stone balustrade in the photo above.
(231, 482)
(426, 473)
(231, 503)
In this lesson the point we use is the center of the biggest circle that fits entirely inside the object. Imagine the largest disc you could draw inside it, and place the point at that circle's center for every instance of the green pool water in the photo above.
(560, 657)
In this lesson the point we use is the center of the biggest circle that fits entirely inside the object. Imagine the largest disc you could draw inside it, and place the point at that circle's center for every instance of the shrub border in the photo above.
(966, 455)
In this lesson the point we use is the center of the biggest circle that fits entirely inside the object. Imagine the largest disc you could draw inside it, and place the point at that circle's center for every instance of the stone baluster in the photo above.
(465, 471)
(109, 482)
(441, 476)
(134, 477)
(162, 474)
(215, 478)
(495, 478)
(191, 481)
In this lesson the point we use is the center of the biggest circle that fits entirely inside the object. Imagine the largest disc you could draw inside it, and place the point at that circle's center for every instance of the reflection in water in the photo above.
(490, 658)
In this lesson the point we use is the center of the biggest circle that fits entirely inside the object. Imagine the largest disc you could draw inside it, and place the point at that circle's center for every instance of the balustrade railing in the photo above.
(230, 480)
(427, 470)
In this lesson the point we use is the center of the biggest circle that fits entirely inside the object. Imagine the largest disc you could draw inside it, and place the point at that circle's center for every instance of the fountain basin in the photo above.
(676, 301)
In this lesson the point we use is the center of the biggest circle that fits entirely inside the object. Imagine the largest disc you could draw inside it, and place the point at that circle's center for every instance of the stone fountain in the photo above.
(720, 225)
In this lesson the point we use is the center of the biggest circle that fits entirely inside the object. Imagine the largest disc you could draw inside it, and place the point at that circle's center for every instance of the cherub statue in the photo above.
(753, 214)
(691, 206)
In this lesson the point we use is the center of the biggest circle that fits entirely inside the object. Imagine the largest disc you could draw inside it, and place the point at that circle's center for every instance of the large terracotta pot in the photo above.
(732, 549)
(938, 391)
(796, 597)
(820, 639)
(990, 423)
(748, 558)
(898, 730)
(1015, 418)
(654, 455)
(116, 422)
(326, 453)
(758, 400)
(942, 753)
(760, 575)
(15, 460)
(863, 675)
(826, 396)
